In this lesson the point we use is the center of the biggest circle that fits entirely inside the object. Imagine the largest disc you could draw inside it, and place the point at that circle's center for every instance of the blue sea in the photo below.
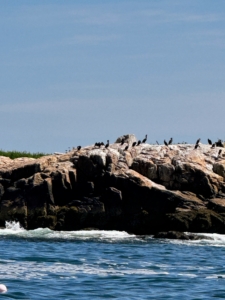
(45, 264)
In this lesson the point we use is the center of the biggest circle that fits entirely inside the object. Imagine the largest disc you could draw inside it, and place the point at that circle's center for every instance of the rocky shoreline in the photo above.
(145, 189)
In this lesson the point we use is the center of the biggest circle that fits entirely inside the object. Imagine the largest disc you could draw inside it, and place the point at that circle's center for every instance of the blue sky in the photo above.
(77, 72)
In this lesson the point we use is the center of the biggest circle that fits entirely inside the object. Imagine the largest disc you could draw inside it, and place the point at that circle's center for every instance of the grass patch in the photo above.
(17, 154)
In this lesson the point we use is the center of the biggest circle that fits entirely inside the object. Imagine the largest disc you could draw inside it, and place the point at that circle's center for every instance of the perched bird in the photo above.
(139, 142)
(210, 142)
(219, 152)
(102, 144)
(170, 141)
(219, 143)
(197, 142)
(213, 145)
(134, 143)
(126, 148)
(157, 142)
(122, 142)
(165, 142)
(107, 145)
(145, 139)
(78, 148)
(196, 146)
(98, 144)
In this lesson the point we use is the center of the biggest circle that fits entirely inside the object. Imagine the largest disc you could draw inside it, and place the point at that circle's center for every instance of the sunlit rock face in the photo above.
(138, 188)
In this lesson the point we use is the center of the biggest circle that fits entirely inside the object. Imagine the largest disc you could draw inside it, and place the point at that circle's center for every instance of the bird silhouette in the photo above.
(165, 142)
(107, 145)
(170, 141)
(122, 142)
(219, 143)
(145, 139)
(139, 142)
(210, 142)
(197, 142)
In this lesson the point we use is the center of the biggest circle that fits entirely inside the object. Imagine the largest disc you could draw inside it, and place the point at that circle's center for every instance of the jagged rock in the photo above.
(112, 199)
(219, 168)
(145, 167)
(145, 189)
(217, 204)
(13, 207)
(98, 157)
(2, 190)
(128, 138)
(61, 187)
(20, 183)
(13, 210)
(23, 167)
(112, 159)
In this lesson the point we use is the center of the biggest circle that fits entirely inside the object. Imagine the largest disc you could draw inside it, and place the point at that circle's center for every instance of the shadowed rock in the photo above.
(147, 189)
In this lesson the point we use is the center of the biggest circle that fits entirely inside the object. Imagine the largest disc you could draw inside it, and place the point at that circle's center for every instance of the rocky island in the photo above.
(143, 189)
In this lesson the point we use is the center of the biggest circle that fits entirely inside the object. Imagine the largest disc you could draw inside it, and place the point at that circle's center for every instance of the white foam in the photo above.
(34, 270)
(14, 229)
(15, 226)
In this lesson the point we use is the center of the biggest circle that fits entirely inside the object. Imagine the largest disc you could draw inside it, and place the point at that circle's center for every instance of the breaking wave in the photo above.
(14, 229)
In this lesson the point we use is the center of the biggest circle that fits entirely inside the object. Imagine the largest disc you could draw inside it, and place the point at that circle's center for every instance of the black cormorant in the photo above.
(197, 142)
(145, 139)
(196, 146)
(219, 143)
(213, 145)
(210, 142)
(165, 142)
(126, 148)
(170, 141)
(107, 145)
(78, 148)
(139, 142)
(219, 152)
(134, 143)
(122, 142)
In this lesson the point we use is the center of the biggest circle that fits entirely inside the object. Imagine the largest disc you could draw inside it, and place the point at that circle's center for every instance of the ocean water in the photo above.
(45, 264)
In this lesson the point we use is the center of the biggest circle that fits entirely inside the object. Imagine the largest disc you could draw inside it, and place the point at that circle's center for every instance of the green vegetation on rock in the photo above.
(16, 154)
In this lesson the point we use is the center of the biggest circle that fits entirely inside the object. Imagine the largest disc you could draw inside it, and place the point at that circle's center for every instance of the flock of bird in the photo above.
(98, 144)
(213, 145)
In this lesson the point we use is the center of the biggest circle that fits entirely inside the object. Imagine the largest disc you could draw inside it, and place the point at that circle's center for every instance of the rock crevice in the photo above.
(143, 189)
